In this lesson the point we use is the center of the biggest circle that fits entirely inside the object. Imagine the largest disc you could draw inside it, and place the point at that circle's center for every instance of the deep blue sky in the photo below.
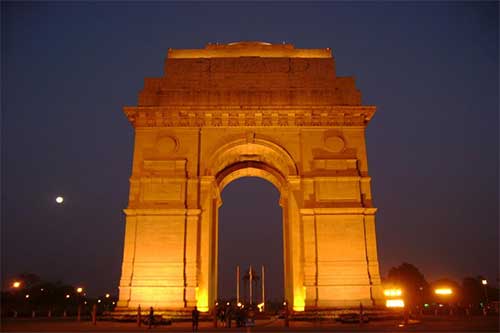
(69, 68)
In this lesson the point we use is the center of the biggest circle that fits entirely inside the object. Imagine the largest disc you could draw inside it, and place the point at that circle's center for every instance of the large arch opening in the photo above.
(250, 234)
(269, 162)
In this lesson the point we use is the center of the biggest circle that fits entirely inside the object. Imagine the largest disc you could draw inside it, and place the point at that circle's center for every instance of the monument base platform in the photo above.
(310, 314)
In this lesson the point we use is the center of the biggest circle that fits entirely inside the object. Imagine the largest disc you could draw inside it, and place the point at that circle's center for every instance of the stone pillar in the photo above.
(206, 292)
(128, 261)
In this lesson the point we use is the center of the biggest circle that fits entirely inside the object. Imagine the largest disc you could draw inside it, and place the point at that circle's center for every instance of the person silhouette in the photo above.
(151, 317)
(195, 316)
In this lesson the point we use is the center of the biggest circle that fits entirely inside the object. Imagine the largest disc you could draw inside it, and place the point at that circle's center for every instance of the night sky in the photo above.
(69, 68)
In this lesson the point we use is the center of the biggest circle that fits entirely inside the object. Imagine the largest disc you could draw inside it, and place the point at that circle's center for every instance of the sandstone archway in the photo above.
(249, 109)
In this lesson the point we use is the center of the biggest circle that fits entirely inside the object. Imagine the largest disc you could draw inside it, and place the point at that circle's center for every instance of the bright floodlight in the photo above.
(16, 284)
(395, 303)
(59, 200)
(392, 292)
(107, 295)
(443, 291)
(484, 282)
(79, 290)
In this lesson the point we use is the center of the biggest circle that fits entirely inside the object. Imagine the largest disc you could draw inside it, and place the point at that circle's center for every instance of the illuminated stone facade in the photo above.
(249, 109)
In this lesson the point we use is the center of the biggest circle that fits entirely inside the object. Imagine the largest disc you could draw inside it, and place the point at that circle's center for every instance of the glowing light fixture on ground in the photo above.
(260, 306)
(443, 291)
(299, 300)
(484, 282)
(393, 292)
(201, 299)
(395, 303)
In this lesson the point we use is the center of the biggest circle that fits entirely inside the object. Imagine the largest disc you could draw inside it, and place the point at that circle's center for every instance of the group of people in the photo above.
(195, 318)
(225, 314)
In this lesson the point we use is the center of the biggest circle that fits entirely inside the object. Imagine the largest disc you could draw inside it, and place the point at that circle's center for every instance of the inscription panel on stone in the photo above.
(331, 190)
(164, 191)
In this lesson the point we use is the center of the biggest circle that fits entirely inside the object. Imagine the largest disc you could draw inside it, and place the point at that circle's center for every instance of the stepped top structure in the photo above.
(248, 74)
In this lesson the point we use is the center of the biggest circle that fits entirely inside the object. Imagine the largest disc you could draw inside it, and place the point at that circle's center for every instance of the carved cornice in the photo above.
(224, 116)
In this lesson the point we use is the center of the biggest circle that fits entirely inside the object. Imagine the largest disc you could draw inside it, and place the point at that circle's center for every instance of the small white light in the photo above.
(59, 200)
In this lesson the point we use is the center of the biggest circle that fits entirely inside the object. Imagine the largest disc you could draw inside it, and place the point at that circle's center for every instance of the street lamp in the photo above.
(484, 282)
(16, 284)
(79, 290)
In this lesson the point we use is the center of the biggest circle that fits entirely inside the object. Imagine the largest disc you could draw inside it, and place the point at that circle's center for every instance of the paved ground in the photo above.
(428, 324)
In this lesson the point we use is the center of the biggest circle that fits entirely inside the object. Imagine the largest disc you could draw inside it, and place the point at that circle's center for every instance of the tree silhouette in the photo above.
(412, 282)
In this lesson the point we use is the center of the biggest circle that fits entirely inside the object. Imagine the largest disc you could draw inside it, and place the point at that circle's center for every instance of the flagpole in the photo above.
(237, 283)
(263, 287)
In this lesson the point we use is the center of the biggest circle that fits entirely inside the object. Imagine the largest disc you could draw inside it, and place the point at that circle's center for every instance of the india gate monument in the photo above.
(249, 109)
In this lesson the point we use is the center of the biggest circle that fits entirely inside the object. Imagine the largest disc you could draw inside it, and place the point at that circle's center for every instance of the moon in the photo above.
(59, 200)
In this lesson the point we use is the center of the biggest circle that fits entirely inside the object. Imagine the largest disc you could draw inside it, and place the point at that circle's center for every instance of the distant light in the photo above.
(59, 200)
(79, 290)
(98, 301)
(484, 282)
(216, 303)
(392, 292)
(284, 303)
(67, 295)
(85, 302)
(260, 306)
(395, 303)
(41, 289)
(441, 305)
(27, 296)
(239, 304)
(107, 295)
(228, 303)
(16, 284)
(443, 291)
(114, 303)
(426, 305)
